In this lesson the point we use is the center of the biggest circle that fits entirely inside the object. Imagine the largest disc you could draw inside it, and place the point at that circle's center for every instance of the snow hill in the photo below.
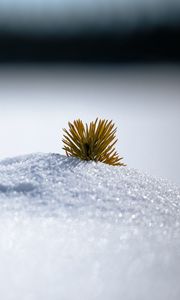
(71, 229)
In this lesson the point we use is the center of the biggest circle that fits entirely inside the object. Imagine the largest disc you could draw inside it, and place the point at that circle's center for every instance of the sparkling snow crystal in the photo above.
(71, 229)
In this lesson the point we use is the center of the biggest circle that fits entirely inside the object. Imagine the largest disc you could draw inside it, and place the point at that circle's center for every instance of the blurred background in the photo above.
(115, 59)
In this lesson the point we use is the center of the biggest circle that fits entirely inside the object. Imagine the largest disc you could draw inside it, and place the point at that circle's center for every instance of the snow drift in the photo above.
(71, 229)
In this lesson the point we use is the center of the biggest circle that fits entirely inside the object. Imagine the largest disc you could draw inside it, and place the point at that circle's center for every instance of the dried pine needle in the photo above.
(92, 142)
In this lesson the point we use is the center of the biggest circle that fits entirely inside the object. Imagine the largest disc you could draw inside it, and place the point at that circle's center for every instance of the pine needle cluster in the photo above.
(92, 142)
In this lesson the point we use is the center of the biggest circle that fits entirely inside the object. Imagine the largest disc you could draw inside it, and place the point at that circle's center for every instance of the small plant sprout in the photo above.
(92, 142)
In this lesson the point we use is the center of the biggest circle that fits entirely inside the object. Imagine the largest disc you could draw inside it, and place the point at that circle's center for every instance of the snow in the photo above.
(71, 229)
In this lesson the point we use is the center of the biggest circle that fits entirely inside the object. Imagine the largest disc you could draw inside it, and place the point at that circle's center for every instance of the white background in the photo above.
(144, 102)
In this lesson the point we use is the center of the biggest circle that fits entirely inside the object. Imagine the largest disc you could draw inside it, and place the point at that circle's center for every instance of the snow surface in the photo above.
(82, 230)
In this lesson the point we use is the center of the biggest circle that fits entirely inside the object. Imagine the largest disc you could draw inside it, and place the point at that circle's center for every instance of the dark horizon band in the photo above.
(153, 44)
